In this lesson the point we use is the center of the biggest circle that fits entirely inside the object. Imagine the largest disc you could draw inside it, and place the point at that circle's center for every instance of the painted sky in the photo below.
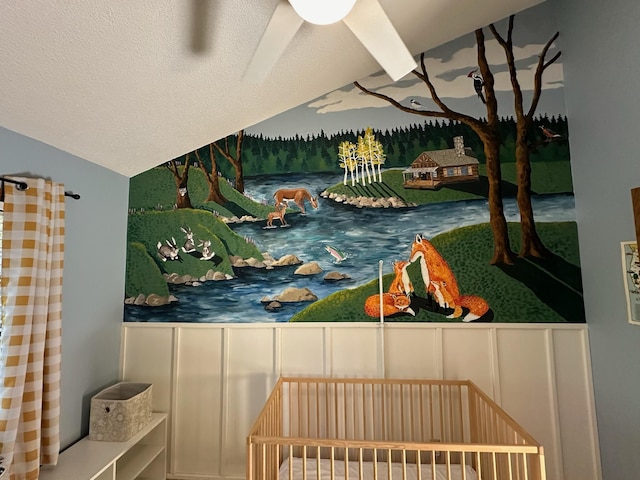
(448, 65)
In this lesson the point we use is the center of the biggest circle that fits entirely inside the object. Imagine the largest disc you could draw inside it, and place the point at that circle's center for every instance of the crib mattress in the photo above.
(457, 472)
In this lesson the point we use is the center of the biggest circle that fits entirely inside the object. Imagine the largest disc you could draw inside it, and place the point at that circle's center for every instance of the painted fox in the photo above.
(396, 299)
(440, 282)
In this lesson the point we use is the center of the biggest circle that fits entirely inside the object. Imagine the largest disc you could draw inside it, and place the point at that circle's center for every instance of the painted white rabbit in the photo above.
(189, 245)
(207, 253)
(169, 251)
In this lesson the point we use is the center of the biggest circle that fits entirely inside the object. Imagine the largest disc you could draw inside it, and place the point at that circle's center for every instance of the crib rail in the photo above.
(343, 429)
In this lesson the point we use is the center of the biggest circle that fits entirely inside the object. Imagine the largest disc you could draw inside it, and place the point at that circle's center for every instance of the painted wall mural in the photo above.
(444, 197)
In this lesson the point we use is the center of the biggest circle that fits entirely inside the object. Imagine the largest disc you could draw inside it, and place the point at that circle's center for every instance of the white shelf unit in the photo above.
(142, 457)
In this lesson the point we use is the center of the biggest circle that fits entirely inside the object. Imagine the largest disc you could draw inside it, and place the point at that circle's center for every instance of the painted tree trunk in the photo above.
(531, 245)
(182, 192)
(215, 195)
(501, 248)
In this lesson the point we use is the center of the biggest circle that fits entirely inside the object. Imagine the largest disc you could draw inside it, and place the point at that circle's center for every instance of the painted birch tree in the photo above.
(346, 156)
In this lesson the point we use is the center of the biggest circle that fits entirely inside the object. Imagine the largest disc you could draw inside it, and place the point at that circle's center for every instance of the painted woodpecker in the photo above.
(478, 83)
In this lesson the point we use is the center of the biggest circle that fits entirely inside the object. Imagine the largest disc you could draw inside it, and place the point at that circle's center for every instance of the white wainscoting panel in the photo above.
(197, 388)
(412, 352)
(213, 379)
(526, 388)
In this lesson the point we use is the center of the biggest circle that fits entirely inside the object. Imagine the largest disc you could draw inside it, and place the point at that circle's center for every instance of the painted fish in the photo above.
(335, 253)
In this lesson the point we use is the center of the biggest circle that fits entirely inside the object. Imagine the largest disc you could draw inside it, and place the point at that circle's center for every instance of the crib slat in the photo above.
(308, 410)
(345, 419)
(463, 466)
(335, 405)
(374, 416)
(441, 403)
(402, 426)
(431, 436)
(375, 464)
(461, 414)
(363, 408)
(333, 458)
(495, 466)
(421, 396)
(384, 413)
(354, 433)
(346, 463)
(433, 465)
(290, 462)
(304, 462)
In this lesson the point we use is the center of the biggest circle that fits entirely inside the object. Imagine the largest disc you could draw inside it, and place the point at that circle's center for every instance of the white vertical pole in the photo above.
(381, 323)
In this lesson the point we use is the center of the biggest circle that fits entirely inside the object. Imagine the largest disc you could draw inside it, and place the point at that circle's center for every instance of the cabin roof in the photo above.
(444, 158)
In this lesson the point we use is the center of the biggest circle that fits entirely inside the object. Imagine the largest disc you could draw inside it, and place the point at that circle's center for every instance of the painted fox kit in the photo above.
(440, 282)
(396, 299)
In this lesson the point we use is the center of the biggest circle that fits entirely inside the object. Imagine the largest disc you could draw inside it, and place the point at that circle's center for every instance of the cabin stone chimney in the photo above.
(458, 145)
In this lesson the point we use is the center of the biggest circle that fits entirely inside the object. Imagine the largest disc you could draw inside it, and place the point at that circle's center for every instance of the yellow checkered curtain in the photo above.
(31, 291)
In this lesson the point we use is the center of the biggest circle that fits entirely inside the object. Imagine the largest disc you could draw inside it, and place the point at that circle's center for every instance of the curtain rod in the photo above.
(23, 186)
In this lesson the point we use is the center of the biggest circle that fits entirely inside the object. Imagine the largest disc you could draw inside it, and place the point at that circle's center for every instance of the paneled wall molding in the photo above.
(213, 379)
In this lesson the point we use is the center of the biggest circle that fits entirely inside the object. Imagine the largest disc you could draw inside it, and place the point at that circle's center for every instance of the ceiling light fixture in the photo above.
(322, 12)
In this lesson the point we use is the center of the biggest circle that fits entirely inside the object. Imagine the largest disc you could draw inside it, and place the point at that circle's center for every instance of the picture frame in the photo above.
(631, 278)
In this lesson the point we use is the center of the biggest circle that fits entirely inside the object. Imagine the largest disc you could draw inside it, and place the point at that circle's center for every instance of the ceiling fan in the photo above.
(365, 18)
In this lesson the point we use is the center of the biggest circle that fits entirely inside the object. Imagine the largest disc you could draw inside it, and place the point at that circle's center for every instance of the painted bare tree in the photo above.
(215, 195)
(236, 160)
(487, 130)
(531, 243)
(181, 179)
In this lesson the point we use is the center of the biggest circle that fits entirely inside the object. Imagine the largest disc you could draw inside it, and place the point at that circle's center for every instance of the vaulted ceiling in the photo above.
(131, 84)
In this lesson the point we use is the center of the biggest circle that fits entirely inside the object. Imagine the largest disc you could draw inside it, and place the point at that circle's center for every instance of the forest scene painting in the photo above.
(444, 197)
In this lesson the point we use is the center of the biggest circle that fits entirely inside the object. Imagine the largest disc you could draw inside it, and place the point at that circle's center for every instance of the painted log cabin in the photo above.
(433, 169)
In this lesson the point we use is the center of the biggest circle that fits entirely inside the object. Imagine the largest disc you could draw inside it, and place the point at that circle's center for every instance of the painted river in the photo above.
(366, 236)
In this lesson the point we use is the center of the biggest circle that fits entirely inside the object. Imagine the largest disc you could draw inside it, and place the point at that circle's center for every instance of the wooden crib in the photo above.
(385, 429)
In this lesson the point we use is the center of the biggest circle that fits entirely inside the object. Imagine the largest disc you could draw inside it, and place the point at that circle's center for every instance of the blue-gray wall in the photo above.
(599, 41)
(94, 269)
(601, 62)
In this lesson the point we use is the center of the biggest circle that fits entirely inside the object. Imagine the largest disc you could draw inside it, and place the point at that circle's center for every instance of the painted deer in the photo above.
(296, 195)
(279, 214)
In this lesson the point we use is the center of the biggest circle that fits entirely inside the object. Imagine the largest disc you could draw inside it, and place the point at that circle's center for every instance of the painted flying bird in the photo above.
(550, 135)
(478, 83)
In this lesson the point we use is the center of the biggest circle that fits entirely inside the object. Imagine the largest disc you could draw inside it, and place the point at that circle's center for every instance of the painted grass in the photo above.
(529, 291)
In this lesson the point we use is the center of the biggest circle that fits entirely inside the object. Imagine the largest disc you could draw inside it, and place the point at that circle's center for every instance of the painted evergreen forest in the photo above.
(319, 153)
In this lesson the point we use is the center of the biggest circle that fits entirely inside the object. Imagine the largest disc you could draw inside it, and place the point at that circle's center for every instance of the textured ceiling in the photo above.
(131, 84)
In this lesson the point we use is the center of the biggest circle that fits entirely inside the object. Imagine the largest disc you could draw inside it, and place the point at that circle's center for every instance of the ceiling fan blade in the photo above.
(199, 20)
(369, 22)
(282, 27)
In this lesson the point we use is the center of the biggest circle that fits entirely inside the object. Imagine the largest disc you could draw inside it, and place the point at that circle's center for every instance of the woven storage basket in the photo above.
(119, 412)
